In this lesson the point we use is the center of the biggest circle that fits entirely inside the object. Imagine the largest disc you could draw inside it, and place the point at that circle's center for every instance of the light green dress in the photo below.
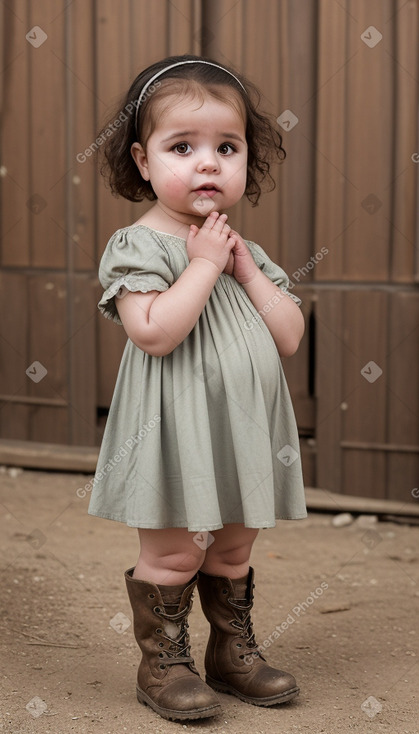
(206, 435)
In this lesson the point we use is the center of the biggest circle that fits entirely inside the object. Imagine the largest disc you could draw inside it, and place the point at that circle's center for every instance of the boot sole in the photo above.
(174, 715)
(267, 701)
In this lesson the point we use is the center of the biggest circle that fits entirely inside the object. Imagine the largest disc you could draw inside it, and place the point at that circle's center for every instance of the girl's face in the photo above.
(195, 159)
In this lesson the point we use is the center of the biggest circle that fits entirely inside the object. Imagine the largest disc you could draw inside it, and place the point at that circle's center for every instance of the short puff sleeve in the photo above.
(272, 270)
(134, 259)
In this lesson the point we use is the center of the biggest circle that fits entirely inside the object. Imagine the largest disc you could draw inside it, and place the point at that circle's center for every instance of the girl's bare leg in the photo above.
(168, 556)
(171, 556)
(229, 554)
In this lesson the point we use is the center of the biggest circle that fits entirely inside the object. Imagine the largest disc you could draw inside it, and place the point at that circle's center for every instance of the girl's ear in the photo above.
(140, 158)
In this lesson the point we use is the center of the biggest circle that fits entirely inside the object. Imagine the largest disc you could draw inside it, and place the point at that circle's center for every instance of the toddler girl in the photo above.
(200, 448)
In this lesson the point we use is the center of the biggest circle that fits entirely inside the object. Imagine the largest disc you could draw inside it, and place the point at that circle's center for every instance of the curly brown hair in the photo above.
(124, 127)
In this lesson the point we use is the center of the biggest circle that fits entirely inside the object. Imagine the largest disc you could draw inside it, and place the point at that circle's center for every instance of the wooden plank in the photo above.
(52, 456)
(32, 400)
(2, 36)
(260, 22)
(369, 120)
(149, 39)
(223, 23)
(183, 25)
(47, 137)
(63, 313)
(113, 28)
(389, 447)
(404, 184)
(82, 364)
(323, 499)
(292, 204)
(114, 24)
(14, 357)
(17, 51)
(47, 344)
(402, 475)
(364, 473)
(403, 358)
(374, 201)
(330, 355)
(331, 221)
(83, 95)
(308, 460)
(365, 338)
(364, 419)
(403, 395)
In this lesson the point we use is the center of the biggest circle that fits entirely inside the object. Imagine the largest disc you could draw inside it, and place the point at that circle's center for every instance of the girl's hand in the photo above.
(230, 264)
(213, 241)
(244, 267)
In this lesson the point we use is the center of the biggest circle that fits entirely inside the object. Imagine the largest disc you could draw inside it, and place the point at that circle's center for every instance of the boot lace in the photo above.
(243, 623)
(178, 649)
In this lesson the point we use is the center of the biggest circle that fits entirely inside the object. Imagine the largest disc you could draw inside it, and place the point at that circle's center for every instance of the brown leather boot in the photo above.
(167, 678)
(232, 661)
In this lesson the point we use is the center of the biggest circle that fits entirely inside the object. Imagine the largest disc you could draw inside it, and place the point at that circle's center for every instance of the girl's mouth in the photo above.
(207, 190)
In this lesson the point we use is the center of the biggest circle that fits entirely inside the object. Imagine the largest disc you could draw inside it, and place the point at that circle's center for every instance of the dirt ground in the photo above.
(344, 602)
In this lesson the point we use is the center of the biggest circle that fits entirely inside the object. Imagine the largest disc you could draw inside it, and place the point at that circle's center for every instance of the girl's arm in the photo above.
(280, 313)
(157, 322)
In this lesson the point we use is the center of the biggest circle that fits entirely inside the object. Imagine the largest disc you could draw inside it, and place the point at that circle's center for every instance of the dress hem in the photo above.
(197, 529)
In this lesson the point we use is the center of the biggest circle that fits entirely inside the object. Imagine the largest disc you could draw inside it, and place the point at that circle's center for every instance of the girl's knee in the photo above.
(232, 545)
(186, 561)
(234, 556)
(171, 550)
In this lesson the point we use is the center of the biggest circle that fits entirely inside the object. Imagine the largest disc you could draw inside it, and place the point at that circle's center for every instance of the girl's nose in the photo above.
(208, 161)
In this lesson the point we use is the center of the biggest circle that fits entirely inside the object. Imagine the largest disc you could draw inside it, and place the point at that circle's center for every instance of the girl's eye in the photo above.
(182, 148)
(226, 149)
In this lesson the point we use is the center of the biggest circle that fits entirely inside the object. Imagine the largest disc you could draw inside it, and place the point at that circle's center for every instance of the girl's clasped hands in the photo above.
(217, 242)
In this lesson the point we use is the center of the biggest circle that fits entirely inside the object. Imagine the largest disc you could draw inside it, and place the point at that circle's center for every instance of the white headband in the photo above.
(172, 66)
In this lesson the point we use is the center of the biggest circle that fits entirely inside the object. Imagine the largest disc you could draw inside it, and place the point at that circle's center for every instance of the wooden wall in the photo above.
(367, 304)
(349, 185)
